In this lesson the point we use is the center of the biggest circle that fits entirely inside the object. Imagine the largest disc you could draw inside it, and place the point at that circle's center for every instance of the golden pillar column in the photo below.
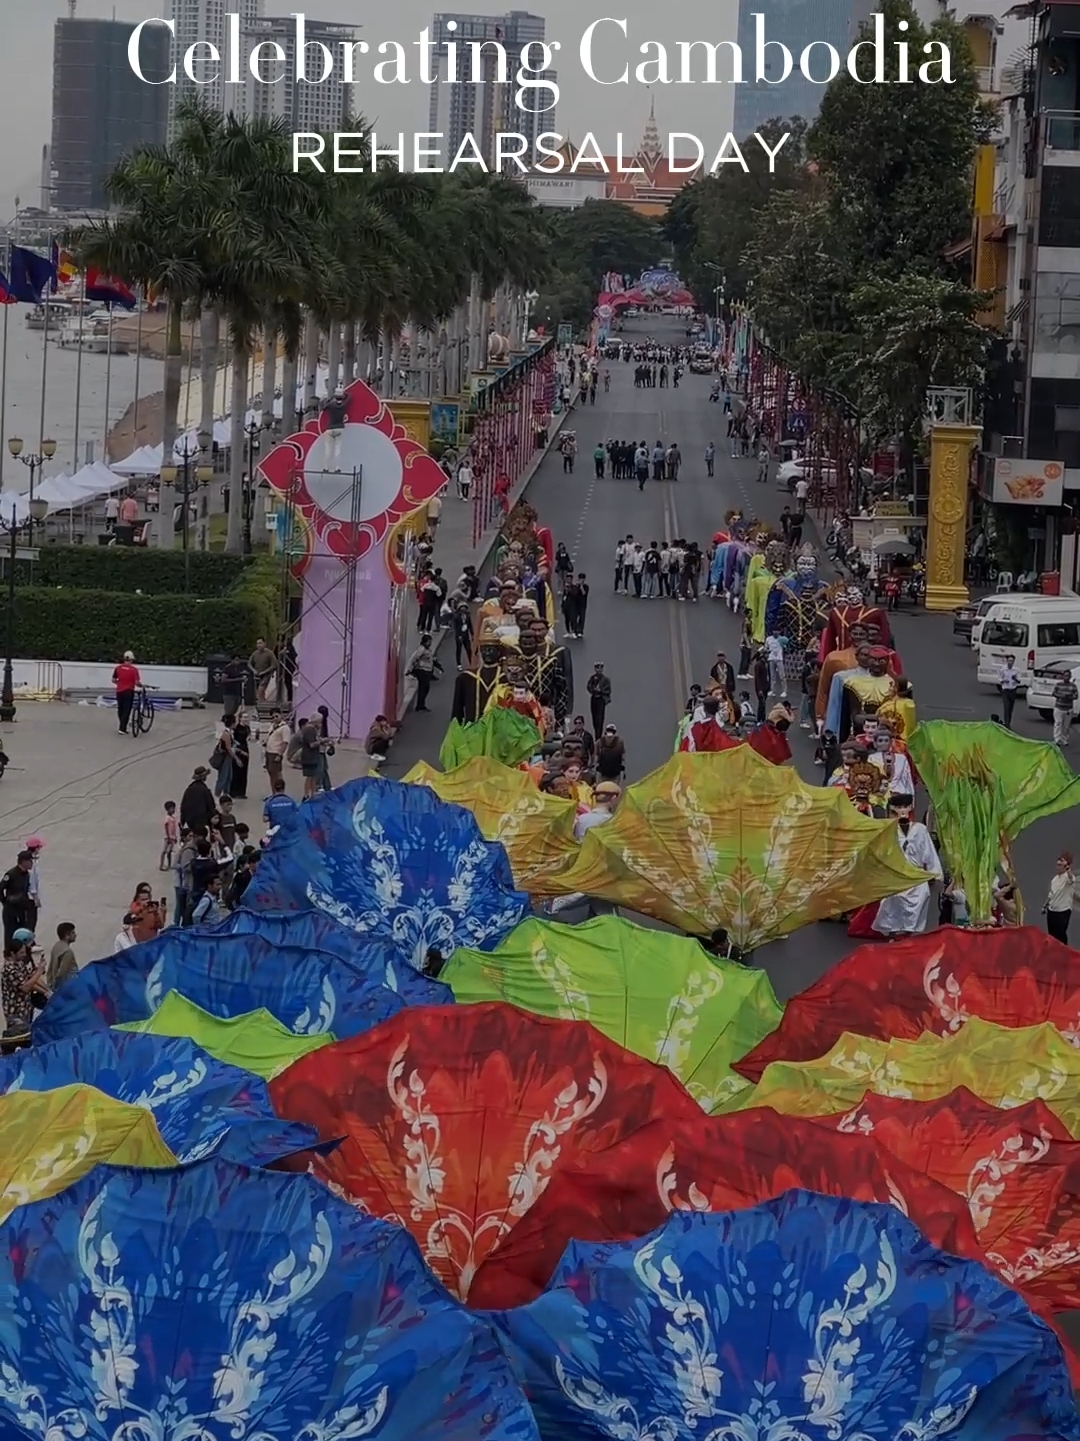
(950, 464)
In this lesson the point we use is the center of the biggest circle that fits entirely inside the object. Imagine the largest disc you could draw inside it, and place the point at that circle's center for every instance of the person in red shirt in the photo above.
(125, 678)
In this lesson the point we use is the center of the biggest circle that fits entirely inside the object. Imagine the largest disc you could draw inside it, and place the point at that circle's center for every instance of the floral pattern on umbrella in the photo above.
(220, 1304)
(730, 840)
(661, 996)
(396, 475)
(1006, 1067)
(808, 1318)
(535, 829)
(456, 1118)
(934, 982)
(200, 1104)
(1018, 1172)
(723, 1164)
(392, 860)
(51, 1138)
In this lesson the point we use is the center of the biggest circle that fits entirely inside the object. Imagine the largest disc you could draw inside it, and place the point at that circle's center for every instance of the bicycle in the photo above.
(142, 712)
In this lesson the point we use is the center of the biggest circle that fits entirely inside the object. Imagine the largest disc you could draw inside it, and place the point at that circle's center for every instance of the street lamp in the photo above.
(38, 511)
(203, 475)
(253, 430)
(35, 460)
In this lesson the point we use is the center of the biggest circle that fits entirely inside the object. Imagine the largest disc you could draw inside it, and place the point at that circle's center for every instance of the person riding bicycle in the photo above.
(126, 679)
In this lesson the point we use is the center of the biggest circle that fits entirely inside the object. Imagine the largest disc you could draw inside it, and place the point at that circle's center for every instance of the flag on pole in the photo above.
(30, 273)
(107, 290)
(6, 297)
(64, 264)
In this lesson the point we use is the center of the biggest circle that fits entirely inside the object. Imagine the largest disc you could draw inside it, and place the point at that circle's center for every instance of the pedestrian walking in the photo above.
(16, 901)
(599, 688)
(1064, 697)
(710, 458)
(126, 680)
(599, 456)
(423, 667)
(275, 746)
(1061, 898)
(774, 654)
(763, 465)
(1009, 686)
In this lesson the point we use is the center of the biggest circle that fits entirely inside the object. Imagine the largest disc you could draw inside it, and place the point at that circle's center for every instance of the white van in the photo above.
(1037, 630)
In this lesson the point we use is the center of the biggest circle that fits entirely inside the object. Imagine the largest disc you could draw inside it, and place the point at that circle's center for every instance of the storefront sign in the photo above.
(1028, 482)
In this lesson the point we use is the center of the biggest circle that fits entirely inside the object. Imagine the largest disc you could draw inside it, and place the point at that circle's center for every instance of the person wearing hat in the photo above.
(22, 981)
(126, 680)
(605, 800)
(16, 901)
(197, 804)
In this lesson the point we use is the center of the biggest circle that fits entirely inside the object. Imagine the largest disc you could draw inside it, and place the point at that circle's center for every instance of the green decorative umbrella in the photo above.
(255, 1041)
(500, 734)
(987, 784)
(659, 995)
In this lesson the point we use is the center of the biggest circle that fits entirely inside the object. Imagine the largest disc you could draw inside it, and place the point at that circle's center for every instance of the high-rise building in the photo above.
(485, 107)
(301, 105)
(207, 20)
(796, 24)
(101, 110)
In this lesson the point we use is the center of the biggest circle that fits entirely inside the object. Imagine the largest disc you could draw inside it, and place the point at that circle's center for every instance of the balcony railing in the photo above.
(1061, 130)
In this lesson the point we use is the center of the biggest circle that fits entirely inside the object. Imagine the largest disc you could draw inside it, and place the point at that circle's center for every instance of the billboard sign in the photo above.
(1028, 482)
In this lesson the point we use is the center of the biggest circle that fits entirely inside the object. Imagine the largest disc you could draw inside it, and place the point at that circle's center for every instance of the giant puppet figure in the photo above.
(850, 609)
(859, 691)
(548, 667)
(475, 688)
(795, 608)
(770, 567)
(838, 661)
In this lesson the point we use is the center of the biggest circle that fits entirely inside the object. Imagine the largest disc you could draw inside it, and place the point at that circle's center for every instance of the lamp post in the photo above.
(35, 460)
(38, 511)
(203, 475)
(253, 430)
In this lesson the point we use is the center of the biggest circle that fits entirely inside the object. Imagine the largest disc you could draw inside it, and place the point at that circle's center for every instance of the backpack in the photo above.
(217, 758)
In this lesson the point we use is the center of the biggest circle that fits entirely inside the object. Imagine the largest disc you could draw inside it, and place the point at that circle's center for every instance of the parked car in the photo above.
(701, 362)
(1040, 691)
(965, 617)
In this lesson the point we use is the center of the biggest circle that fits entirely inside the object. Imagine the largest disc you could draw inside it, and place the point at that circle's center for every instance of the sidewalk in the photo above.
(454, 548)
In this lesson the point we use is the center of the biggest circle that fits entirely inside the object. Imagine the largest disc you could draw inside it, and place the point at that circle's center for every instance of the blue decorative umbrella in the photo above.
(200, 1104)
(310, 992)
(373, 956)
(221, 1304)
(809, 1318)
(392, 860)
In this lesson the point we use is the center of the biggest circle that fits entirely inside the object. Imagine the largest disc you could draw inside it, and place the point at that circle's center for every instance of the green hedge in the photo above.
(97, 625)
(131, 568)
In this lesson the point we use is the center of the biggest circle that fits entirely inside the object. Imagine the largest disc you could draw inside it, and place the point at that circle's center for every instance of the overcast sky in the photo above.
(26, 27)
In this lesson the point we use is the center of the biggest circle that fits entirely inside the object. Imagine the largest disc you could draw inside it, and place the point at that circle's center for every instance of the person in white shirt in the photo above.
(275, 746)
(1009, 684)
(125, 938)
(464, 480)
(906, 914)
(894, 765)
(637, 566)
(774, 654)
(112, 511)
(620, 561)
(434, 511)
(802, 490)
(606, 796)
(1061, 899)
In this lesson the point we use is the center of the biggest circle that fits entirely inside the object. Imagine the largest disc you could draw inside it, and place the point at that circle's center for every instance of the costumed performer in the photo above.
(906, 914)
(474, 688)
(795, 608)
(763, 576)
(850, 609)
(859, 691)
(770, 738)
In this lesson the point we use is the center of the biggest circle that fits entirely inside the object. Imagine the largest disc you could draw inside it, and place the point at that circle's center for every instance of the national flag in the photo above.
(6, 297)
(64, 264)
(107, 290)
(30, 274)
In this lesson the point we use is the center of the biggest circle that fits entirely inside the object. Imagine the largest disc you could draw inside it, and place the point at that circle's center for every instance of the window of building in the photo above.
(1057, 313)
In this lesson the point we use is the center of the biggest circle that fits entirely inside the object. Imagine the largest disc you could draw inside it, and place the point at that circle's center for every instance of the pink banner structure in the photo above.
(348, 494)
(654, 289)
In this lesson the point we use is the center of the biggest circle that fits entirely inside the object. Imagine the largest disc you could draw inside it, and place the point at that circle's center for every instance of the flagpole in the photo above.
(190, 374)
(3, 379)
(44, 372)
(138, 363)
(108, 383)
(78, 380)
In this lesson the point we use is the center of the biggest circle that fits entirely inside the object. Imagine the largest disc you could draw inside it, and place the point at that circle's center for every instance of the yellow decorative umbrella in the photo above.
(1006, 1067)
(536, 830)
(52, 1138)
(729, 840)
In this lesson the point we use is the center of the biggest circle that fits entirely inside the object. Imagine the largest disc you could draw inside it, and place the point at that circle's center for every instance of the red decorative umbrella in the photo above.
(718, 1163)
(456, 1119)
(1018, 1172)
(933, 982)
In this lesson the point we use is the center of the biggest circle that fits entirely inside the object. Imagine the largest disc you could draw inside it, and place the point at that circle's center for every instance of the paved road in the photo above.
(653, 650)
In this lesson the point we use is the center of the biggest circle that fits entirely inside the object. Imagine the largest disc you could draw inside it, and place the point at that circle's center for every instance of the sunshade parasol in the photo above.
(1014, 976)
(51, 1138)
(199, 1103)
(535, 829)
(310, 992)
(255, 1041)
(392, 860)
(808, 1316)
(721, 1164)
(501, 734)
(987, 784)
(217, 1302)
(728, 840)
(661, 996)
(1018, 1172)
(455, 1118)
(1005, 1067)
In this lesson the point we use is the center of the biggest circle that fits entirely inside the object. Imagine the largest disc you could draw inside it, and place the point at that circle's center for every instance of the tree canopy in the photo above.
(586, 243)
